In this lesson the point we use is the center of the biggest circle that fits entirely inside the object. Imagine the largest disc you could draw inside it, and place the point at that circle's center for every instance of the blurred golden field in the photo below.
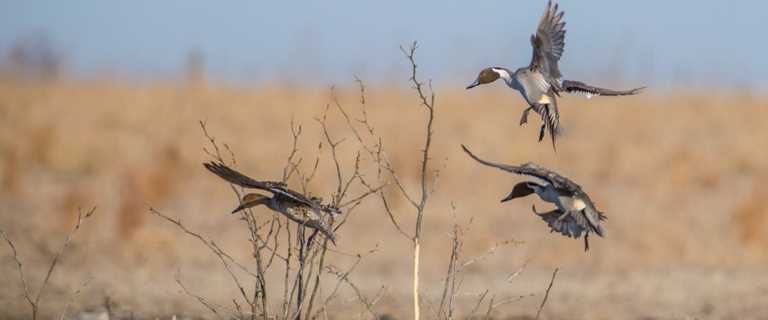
(680, 176)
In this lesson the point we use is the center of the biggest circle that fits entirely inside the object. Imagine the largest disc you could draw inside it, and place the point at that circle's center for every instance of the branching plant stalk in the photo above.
(305, 255)
(427, 101)
(35, 302)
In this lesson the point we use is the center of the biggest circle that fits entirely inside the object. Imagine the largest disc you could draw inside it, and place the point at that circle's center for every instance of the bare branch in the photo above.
(388, 166)
(477, 305)
(74, 296)
(80, 217)
(490, 307)
(20, 268)
(392, 216)
(333, 145)
(517, 272)
(546, 295)
(341, 278)
(361, 197)
(488, 253)
(216, 154)
(290, 166)
(429, 104)
(223, 257)
(214, 308)
(510, 300)
(449, 286)
(35, 302)
(364, 109)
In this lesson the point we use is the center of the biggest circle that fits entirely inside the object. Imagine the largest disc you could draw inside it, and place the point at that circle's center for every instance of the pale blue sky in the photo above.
(677, 42)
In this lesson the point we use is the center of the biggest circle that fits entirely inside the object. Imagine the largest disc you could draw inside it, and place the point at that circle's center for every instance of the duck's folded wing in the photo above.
(581, 88)
(548, 43)
(592, 220)
(550, 115)
(324, 228)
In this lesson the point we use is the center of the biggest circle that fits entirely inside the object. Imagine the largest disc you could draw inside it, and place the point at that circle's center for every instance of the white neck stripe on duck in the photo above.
(536, 187)
(504, 74)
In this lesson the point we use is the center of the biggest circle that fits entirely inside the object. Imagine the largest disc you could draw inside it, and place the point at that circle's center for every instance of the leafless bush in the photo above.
(34, 299)
(372, 145)
(305, 255)
(418, 202)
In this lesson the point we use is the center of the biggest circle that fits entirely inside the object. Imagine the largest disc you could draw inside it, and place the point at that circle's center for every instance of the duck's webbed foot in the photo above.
(541, 132)
(586, 241)
(524, 117)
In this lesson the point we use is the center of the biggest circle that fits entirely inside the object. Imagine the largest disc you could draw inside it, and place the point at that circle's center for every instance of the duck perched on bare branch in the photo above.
(540, 82)
(575, 214)
(297, 207)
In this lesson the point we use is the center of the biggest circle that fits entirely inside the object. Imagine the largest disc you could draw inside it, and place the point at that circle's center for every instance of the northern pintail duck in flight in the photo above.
(540, 82)
(309, 212)
(575, 214)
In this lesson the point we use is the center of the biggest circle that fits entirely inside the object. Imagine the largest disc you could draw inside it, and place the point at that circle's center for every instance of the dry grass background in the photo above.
(680, 177)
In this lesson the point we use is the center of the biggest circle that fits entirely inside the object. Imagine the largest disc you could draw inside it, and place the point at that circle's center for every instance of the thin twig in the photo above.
(477, 305)
(546, 295)
(429, 105)
(491, 251)
(449, 286)
(213, 247)
(74, 296)
(517, 272)
(214, 308)
(217, 152)
(20, 268)
(80, 217)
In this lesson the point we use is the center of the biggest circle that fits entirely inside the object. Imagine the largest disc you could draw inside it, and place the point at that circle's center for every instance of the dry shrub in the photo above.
(129, 214)
(68, 208)
(157, 183)
(681, 173)
(752, 220)
(163, 174)
(11, 179)
(644, 159)
(41, 140)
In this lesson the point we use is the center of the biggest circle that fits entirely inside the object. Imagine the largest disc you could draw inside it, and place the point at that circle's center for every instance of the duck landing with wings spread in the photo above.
(305, 211)
(540, 82)
(575, 214)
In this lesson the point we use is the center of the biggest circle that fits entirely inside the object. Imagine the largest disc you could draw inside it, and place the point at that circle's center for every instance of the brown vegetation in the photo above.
(679, 177)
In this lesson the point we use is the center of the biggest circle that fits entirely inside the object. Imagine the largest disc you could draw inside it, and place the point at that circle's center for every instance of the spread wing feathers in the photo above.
(581, 88)
(573, 224)
(548, 43)
(533, 170)
(568, 225)
(277, 188)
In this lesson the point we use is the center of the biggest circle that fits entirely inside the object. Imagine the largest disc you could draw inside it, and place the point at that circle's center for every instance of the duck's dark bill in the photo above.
(474, 84)
(510, 197)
